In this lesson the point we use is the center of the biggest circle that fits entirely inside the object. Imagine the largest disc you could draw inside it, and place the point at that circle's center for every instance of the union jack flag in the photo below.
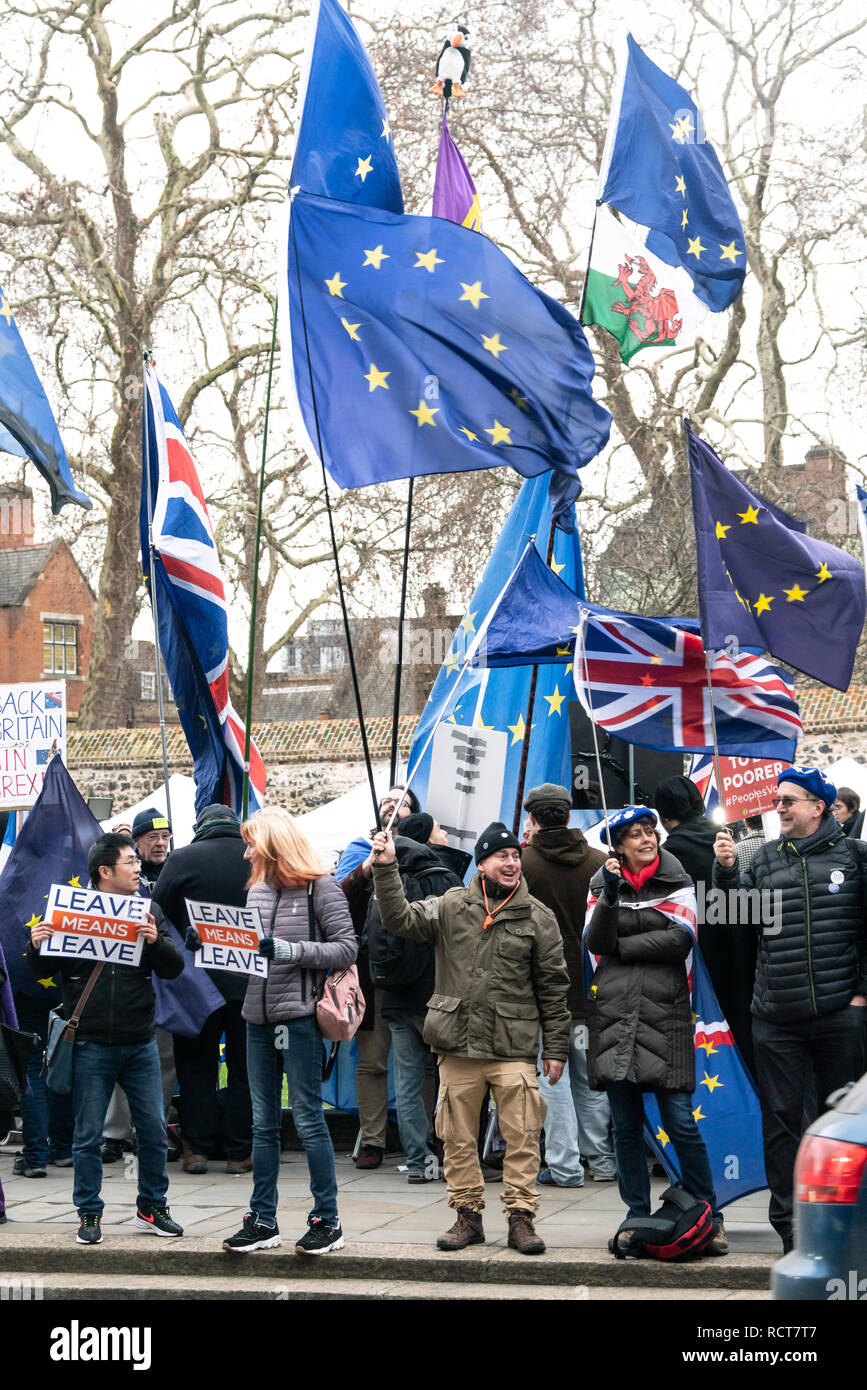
(191, 603)
(679, 907)
(647, 682)
(703, 772)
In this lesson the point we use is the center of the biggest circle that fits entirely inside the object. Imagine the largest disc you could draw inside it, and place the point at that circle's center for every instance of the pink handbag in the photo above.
(340, 1008)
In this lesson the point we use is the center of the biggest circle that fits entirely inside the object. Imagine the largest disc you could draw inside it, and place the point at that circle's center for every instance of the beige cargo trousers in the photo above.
(464, 1082)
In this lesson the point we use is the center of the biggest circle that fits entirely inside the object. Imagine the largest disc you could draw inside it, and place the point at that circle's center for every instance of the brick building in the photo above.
(46, 605)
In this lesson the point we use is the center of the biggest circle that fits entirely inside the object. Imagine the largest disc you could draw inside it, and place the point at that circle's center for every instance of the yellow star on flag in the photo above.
(451, 662)
(5, 311)
(662, 1137)
(468, 623)
(474, 293)
(824, 573)
(494, 345)
(463, 430)
(562, 651)
(49, 983)
(500, 434)
(427, 260)
(479, 725)
(569, 668)
(520, 401)
(352, 330)
(796, 594)
(751, 514)
(721, 530)
(385, 133)
(711, 1082)
(375, 257)
(336, 285)
(680, 185)
(74, 882)
(656, 660)
(558, 569)
(684, 218)
(364, 168)
(424, 414)
(709, 1047)
(518, 730)
(728, 253)
(695, 247)
(376, 377)
(697, 1114)
(34, 921)
(763, 604)
(555, 701)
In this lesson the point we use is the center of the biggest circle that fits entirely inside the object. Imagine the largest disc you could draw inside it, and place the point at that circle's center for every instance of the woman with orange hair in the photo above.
(308, 931)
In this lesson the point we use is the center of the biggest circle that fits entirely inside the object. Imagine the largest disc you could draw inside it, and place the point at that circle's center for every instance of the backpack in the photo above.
(396, 962)
(680, 1229)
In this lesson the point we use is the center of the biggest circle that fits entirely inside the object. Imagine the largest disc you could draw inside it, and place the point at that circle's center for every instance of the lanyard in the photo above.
(489, 919)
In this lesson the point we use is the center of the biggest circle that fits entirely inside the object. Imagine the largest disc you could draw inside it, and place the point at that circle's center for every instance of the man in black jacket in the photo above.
(212, 869)
(810, 995)
(115, 1044)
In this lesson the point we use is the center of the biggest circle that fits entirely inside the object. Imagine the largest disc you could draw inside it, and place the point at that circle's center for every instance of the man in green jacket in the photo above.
(500, 974)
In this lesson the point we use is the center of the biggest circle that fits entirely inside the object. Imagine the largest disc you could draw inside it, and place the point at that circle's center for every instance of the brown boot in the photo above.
(522, 1234)
(194, 1163)
(467, 1230)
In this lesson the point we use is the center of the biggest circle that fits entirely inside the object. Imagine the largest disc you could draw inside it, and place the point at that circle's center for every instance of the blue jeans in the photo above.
(578, 1119)
(411, 1056)
(675, 1110)
(46, 1117)
(135, 1067)
(301, 1060)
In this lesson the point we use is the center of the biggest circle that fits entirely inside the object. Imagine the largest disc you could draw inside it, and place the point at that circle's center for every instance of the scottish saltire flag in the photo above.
(454, 195)
(51, 847)
(702, 771)
(27, 424)
(447, 358)
(646, 682)
(660, 171)
(193, 629)
(762, 580)
(343, 146)
(468, 775)
(725, 1103)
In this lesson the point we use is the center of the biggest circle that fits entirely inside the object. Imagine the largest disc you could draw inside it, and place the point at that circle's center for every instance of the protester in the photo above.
(152, 834)
(499, 974)
(640, 1017)
(308, 932)
(558, 865)
(847, 809)
(810, 997)
(46, 1117)
(404, 970)
(212, 869)
(115, 1044)
(373, 1038)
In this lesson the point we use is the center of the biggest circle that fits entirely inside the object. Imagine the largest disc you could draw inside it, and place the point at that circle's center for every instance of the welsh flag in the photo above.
(641, 301)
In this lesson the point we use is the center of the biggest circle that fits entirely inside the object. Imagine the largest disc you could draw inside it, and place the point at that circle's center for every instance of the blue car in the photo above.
(829, 1260)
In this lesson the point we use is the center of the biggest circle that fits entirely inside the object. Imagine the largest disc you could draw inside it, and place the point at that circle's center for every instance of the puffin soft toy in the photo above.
(453, 65)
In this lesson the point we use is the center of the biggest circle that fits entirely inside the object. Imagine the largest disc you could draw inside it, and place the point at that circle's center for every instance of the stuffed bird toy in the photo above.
(453, 65)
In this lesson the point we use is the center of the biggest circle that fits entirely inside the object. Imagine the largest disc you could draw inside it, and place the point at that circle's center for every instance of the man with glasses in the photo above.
(810, 995)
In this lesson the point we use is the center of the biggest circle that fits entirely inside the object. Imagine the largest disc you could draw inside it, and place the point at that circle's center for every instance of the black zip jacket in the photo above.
(817, 959)
(120, 1009)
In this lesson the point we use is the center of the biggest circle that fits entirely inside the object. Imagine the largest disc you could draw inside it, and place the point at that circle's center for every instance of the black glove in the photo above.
(192, 940)
(266, 947)
(612, 885)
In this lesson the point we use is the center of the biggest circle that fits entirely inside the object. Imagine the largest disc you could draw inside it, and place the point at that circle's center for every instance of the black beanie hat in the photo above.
(418, 827)
(677, 798)
(150, 819)
(495, 837)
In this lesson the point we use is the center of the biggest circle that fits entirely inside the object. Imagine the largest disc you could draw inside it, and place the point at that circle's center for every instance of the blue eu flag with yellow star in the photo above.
(27, 424)
(417, 347)
(664, 174)
(764, 581)
(343, 146)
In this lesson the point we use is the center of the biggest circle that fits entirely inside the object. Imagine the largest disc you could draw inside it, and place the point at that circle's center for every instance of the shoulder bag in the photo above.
(60, 1044)
(339, 1002)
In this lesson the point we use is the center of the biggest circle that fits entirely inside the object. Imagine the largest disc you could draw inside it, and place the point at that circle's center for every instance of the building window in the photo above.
(330, 658)
(147, 681)
(60, 649)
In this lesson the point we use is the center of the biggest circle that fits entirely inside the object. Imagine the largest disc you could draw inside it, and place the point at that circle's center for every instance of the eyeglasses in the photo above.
(787, 801)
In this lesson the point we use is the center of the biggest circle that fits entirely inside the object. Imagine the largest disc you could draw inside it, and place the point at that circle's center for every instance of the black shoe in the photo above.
(320, 1238)
(253, 1235)
(157, 1220)
(89, 1232)
(111, 1150)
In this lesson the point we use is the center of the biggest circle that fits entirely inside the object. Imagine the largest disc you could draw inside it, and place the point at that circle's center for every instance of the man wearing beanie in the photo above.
(152, 836)
(500, 976)
(558, 865)
(810, 997)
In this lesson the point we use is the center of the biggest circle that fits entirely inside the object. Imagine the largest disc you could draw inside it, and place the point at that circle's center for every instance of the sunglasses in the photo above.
(787, 801)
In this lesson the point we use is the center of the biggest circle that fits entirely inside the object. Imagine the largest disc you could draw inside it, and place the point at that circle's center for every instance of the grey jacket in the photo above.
(288, 992)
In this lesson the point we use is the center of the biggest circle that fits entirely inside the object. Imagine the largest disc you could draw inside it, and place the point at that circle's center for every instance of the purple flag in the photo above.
(454, 195)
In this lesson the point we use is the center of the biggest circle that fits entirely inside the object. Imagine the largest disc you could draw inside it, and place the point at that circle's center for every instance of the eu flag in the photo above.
(343, 147)
(418, 347)
(26, 420)
(664, 174)
(762, 580)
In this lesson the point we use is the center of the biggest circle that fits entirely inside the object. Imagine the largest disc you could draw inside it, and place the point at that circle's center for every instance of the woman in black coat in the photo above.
(639, 1014)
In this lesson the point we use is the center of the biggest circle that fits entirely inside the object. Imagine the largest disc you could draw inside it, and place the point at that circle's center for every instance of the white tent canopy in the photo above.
(330, 828)
(182, 794)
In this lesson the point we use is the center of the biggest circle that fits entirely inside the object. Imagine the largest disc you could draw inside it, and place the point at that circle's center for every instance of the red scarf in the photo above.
(638, 880)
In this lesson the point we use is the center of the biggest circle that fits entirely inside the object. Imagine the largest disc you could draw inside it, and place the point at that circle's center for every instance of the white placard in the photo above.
(32, 729)
(465, 789)
(94, 925)
(230, 938)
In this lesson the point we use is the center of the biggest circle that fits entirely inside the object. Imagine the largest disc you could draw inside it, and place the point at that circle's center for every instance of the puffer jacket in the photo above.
(813, 958)
(639, 1016)
(290, 991)
(495, 987)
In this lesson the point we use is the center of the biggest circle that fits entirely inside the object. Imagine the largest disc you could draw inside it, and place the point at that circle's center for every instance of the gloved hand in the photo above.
(266, 947)
(612, 884)
(192, 940)
(287, 952)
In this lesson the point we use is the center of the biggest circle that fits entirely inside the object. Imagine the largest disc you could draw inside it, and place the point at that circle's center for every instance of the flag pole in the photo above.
(528, 718)
(719, 785)
(582, 637)
(395, 718)
(147, 361)
(251, 647)
(352, 667)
